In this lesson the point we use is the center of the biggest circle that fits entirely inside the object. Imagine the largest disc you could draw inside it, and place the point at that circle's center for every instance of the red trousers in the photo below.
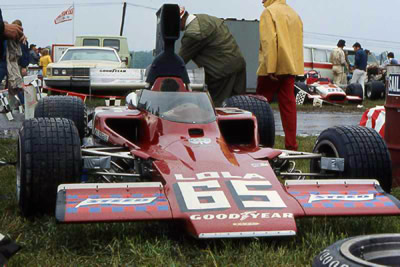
(267, 87)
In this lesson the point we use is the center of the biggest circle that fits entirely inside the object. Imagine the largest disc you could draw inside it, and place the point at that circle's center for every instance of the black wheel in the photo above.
(363, 149)
(374, 90)
(48, 155)
(7, 249)
(355, 89)
(260, 107)
(368, 250)
(69, 107)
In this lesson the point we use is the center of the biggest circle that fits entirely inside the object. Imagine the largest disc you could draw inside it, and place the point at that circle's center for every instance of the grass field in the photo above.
(45, 243)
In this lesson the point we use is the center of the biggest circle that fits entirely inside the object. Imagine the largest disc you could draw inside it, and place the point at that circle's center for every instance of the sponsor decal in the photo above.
(200, 141)
(260, 164)
(217, 175)
(364, 197)
(245, 224)
(116, 201)
(102, 136)
(242, 216)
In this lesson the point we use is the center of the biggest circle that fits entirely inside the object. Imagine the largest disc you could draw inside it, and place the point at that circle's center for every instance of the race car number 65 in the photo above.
(206, 199)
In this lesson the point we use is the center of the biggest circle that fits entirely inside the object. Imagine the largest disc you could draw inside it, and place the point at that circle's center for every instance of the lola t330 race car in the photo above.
(170, 155)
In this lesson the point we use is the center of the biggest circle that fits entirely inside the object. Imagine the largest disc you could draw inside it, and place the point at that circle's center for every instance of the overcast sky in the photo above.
(371, 22)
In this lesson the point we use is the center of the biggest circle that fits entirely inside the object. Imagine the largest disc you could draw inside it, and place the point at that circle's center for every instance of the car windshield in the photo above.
(185, 107)
(371, 58)
(90, 54)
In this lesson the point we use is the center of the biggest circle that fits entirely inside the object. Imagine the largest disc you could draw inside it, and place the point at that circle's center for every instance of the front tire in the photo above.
(363, 149)
(48, 155)
(259, 106)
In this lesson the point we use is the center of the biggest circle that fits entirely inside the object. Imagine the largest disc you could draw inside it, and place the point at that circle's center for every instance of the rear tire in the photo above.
(48, 155)
(69, 107)
(374, 90)
(355, 89)
(259, 106)
(363, 149)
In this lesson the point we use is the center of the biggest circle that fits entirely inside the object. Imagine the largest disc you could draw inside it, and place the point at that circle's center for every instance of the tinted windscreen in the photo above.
(111, 43)
(186, 107)
(90, 54)
(91, 42)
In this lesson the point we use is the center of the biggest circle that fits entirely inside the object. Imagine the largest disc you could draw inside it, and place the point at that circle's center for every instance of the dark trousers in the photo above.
(284, 86)
(222, 89)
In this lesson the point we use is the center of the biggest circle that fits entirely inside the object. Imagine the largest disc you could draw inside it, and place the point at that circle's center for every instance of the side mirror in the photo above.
(126, 60)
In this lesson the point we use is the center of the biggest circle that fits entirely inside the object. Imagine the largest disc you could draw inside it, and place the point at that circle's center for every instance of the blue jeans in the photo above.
(3, 70)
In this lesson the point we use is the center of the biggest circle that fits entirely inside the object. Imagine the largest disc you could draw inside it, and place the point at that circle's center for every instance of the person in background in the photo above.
(338, 60)
(360, 66)
(45, 60)
(23, 61)
(33, 55)
(208, 42)
(7, 32)
(280, 60)
(390, 60)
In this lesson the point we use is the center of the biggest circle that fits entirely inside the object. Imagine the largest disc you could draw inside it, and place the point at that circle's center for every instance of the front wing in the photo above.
(149, 201)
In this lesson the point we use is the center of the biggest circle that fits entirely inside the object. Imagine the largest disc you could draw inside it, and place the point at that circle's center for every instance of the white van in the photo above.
(316, 57)
(119, 43)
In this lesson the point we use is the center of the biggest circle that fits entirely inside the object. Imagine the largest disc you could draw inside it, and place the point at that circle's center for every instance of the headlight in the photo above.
(56, 72)
(64, 72)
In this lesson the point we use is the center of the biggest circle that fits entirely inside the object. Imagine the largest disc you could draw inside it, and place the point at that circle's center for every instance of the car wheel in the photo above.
(364, 152)
(259, 106)
(355, 89)
(48, 155)
(367, 250)
(69, 107)
(374, 90)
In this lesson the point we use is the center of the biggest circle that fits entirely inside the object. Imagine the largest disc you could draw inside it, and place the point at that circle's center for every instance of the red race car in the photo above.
(313, 87)
(170, 155)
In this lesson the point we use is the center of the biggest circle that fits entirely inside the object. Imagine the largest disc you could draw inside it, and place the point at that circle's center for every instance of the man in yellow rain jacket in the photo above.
(280, 60)
(208, 42)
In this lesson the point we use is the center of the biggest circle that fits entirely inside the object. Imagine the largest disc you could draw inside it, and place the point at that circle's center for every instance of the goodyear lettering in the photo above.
(217, 175)
(113, 70)
(328, 260)
(241, 216)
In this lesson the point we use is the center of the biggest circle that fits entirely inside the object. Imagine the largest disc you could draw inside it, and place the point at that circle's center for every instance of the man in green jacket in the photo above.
(208, 42)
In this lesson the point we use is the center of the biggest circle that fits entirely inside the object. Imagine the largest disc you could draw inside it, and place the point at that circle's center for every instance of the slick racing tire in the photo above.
(355, 89)
(69, 107)
(374, 90)
(259, 106)
(364, 152)
(48, 155)
(367, 250)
